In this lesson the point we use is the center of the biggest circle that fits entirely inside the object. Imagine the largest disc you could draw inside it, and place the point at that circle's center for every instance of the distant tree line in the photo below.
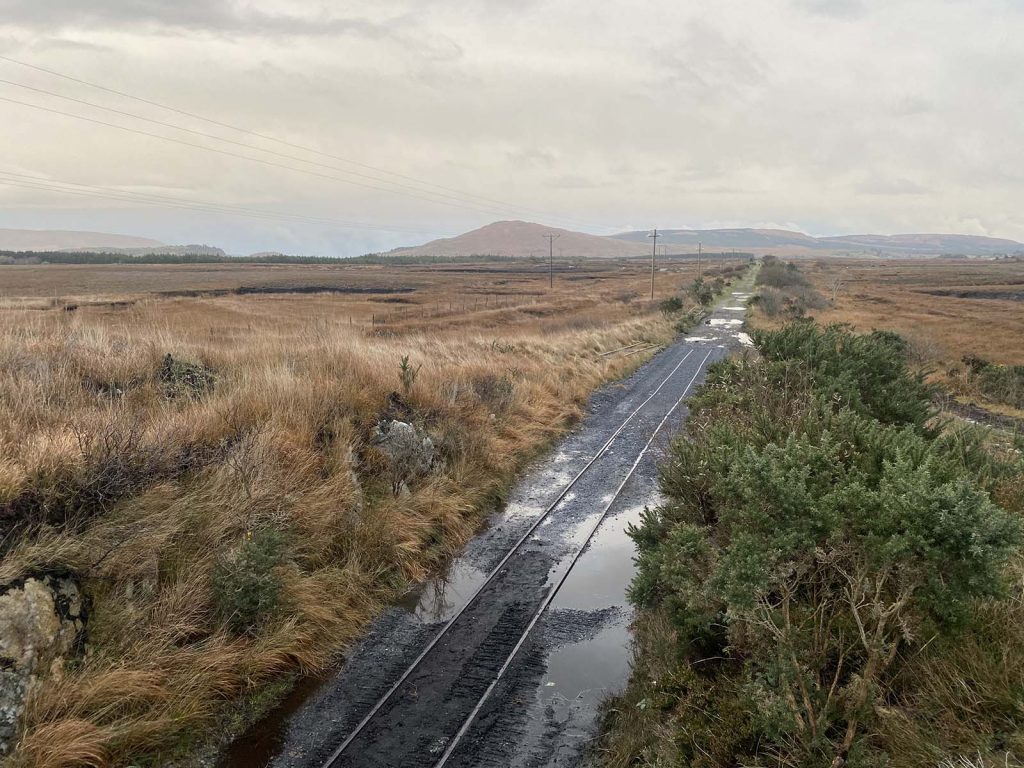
(97, 257)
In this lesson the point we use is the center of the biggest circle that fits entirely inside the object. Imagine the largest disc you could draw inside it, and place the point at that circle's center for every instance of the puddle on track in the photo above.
(581, 673)
(440, 598)
(603, 573)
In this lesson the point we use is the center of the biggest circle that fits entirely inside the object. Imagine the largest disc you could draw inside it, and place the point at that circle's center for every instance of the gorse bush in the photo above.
(671, 305)
(783, 289)
(816, 535)
(779, 274)
(868, 373)
(246, 583)
(1001, 383)
(702, 292)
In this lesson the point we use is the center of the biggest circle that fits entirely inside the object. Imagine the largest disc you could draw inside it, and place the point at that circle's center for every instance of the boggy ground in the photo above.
(954, 305)
(947, 309)
(230, 513)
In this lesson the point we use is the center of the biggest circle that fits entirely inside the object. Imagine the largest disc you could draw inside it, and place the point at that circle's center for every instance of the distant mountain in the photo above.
(523, 239)
(64, 240)
(974, 245)
(784, 241)
(719, 239)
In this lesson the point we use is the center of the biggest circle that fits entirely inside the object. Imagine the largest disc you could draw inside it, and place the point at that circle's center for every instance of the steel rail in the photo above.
(381, 702)
(553, 591)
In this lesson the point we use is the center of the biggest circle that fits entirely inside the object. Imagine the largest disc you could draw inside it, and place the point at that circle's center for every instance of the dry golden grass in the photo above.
(142, 496)
(906, 296)
(918, 299)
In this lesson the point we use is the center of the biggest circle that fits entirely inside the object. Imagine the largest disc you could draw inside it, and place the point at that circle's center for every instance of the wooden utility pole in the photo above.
(551, 236)
(654, 250)
(700, 272)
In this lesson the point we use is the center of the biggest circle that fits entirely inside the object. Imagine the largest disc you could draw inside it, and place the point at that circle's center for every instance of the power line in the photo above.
(227, 153)
(654, 249)
(551, 237)
(201, 209)
(205, 135)
(264, 137)
(92, 190)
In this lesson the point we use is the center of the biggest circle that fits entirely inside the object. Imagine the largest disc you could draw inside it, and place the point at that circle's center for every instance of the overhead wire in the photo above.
(227, 153)
(263, 136)
(220, 138)
(462, 196)
(93, 190)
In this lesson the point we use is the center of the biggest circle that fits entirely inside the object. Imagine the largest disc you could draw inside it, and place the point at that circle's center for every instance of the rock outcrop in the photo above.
(409, 452)
(42, 622)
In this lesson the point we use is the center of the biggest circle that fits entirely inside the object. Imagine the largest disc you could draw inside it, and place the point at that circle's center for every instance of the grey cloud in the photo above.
(886, 185)
(212, 16)
(193, 14)
(705, 64)
(839, 9)
(535, 156)
(573, 181)
(912, 105)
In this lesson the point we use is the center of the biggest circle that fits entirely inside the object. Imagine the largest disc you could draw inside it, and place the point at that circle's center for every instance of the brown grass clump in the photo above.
(149, 497)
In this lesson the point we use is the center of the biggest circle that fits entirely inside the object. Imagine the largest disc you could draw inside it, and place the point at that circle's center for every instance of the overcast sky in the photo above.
(828, 116)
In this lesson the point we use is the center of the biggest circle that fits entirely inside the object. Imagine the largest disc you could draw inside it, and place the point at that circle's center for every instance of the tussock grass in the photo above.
(946, 308)
(144, 496)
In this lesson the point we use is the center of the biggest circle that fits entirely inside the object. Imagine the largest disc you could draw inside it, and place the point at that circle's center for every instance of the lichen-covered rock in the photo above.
(41, 622)
(410, 453)
(179, 379)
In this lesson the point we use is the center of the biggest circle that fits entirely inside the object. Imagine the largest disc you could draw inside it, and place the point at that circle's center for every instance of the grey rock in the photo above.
(410, 452)
(41, 621)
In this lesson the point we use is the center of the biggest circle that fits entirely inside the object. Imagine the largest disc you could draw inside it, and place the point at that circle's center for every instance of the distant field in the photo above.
(401, 297)
(954, 307)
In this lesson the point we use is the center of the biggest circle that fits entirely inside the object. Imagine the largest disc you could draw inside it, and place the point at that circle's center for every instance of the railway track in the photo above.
(475, 648)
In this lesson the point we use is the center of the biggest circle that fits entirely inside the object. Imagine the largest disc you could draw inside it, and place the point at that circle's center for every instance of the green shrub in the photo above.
(407, 373)
(671, 305)
(701, 292)
(815, 537)
(685, 322)
(866, 372)
(770, 300)
(783, 289)
(1001, 383)
(779, 274)
(247, 582)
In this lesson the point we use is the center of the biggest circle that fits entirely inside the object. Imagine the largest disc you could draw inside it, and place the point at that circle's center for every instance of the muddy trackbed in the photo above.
(505, 660)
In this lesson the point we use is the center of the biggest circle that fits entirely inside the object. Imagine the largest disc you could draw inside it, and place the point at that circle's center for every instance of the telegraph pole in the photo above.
(654, 250)
(551, 236)
(699, 271)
